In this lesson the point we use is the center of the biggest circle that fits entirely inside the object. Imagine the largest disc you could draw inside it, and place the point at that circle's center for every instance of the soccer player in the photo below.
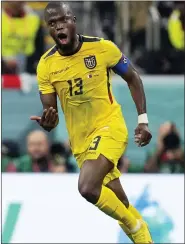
(78, 70)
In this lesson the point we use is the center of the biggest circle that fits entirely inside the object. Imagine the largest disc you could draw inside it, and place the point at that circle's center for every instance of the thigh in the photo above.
(100, 159)
(93, 171)
(116, 187)
(106, 145)
(112, 175)
(115, 149)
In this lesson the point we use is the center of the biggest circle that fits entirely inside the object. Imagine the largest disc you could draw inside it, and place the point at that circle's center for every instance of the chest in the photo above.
(79, 75)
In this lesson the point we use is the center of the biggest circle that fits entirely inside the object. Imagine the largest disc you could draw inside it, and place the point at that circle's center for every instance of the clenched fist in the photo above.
(142, 135)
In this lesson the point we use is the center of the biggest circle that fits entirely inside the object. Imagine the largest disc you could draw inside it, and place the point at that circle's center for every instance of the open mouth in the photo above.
(62, 38)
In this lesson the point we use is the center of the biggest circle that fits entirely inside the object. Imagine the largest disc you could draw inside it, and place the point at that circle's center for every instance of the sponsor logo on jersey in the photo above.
(92, 152)
(90, 62)
(59, 71)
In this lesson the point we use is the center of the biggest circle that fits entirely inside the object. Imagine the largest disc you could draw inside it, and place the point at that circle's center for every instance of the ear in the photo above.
(74, 19)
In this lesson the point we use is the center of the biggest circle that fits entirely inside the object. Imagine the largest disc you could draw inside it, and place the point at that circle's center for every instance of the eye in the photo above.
(66, 19)
(51, 23)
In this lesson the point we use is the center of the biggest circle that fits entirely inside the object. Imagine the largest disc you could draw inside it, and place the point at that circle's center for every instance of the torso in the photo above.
(83, 84)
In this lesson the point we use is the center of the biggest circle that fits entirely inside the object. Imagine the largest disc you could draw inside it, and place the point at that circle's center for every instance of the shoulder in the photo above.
(92, 41)
(90, 38)
(95, 39)
(100, 42)
(49, 53)
(107, 44)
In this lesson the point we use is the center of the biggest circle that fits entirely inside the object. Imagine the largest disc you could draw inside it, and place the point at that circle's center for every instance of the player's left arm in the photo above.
(121, 65)
(125, 69)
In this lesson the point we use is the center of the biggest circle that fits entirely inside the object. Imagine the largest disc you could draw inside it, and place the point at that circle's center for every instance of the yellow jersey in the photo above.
(82, 82)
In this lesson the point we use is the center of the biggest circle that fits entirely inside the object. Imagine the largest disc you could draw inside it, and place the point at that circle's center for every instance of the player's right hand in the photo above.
(49, 119)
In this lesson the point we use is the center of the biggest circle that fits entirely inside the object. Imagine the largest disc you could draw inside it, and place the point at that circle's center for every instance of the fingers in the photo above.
(142, 139)
(37, 118)
(142, 135)
(137, 130)
(137, 139)
(142, 144)
(43, 117)
(145, 138)
(55, 117)
(51, 116)
(48, 119)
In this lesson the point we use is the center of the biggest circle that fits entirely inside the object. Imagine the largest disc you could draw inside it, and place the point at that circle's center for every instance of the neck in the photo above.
(71, 49)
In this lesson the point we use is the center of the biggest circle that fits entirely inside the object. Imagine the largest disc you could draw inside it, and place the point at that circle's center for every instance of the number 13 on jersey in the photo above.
(75, 87)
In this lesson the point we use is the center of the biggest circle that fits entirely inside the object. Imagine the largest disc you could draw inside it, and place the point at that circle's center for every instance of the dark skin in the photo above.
(61, 24)
(60, 19)
(49, 118)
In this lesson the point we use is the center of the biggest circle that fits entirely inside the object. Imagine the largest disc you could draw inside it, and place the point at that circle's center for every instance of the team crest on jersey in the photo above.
(90, 62)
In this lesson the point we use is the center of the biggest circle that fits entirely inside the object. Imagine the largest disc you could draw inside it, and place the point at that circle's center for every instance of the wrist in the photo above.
(143, 119)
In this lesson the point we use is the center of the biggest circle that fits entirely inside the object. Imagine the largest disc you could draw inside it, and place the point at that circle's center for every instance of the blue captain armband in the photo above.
(122, 66)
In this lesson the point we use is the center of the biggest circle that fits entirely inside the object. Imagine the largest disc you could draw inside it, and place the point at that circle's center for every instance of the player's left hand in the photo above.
(142, 135)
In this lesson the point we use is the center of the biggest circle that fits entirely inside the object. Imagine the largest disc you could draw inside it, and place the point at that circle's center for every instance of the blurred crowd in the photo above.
(43, 156)
(25, 36)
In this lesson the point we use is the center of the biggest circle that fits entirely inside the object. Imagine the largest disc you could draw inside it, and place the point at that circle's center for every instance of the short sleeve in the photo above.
(44, 84)
(112, 53)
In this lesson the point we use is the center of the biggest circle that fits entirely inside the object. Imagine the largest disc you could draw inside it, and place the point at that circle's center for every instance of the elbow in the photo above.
(133, 79)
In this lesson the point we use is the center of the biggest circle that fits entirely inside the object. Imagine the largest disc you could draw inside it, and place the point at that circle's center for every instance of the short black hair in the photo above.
(54, 5)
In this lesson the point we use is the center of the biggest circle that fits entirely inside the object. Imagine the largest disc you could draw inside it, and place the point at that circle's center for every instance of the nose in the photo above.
(59, 25)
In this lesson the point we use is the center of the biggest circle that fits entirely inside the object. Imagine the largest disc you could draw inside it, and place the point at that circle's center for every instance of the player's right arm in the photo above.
(48, 97)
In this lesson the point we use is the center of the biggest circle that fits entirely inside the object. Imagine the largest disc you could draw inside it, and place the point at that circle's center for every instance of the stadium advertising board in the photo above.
(48, 209)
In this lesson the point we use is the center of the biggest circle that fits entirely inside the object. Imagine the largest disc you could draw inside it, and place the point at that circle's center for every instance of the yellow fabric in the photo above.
(112, 144)
(142, 233)
(112, 206)
(18, 34)
(85, 94)
(135, 213)
(175, 30)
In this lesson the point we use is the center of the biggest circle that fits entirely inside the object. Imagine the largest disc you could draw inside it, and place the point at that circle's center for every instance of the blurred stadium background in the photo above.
(151, 34)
